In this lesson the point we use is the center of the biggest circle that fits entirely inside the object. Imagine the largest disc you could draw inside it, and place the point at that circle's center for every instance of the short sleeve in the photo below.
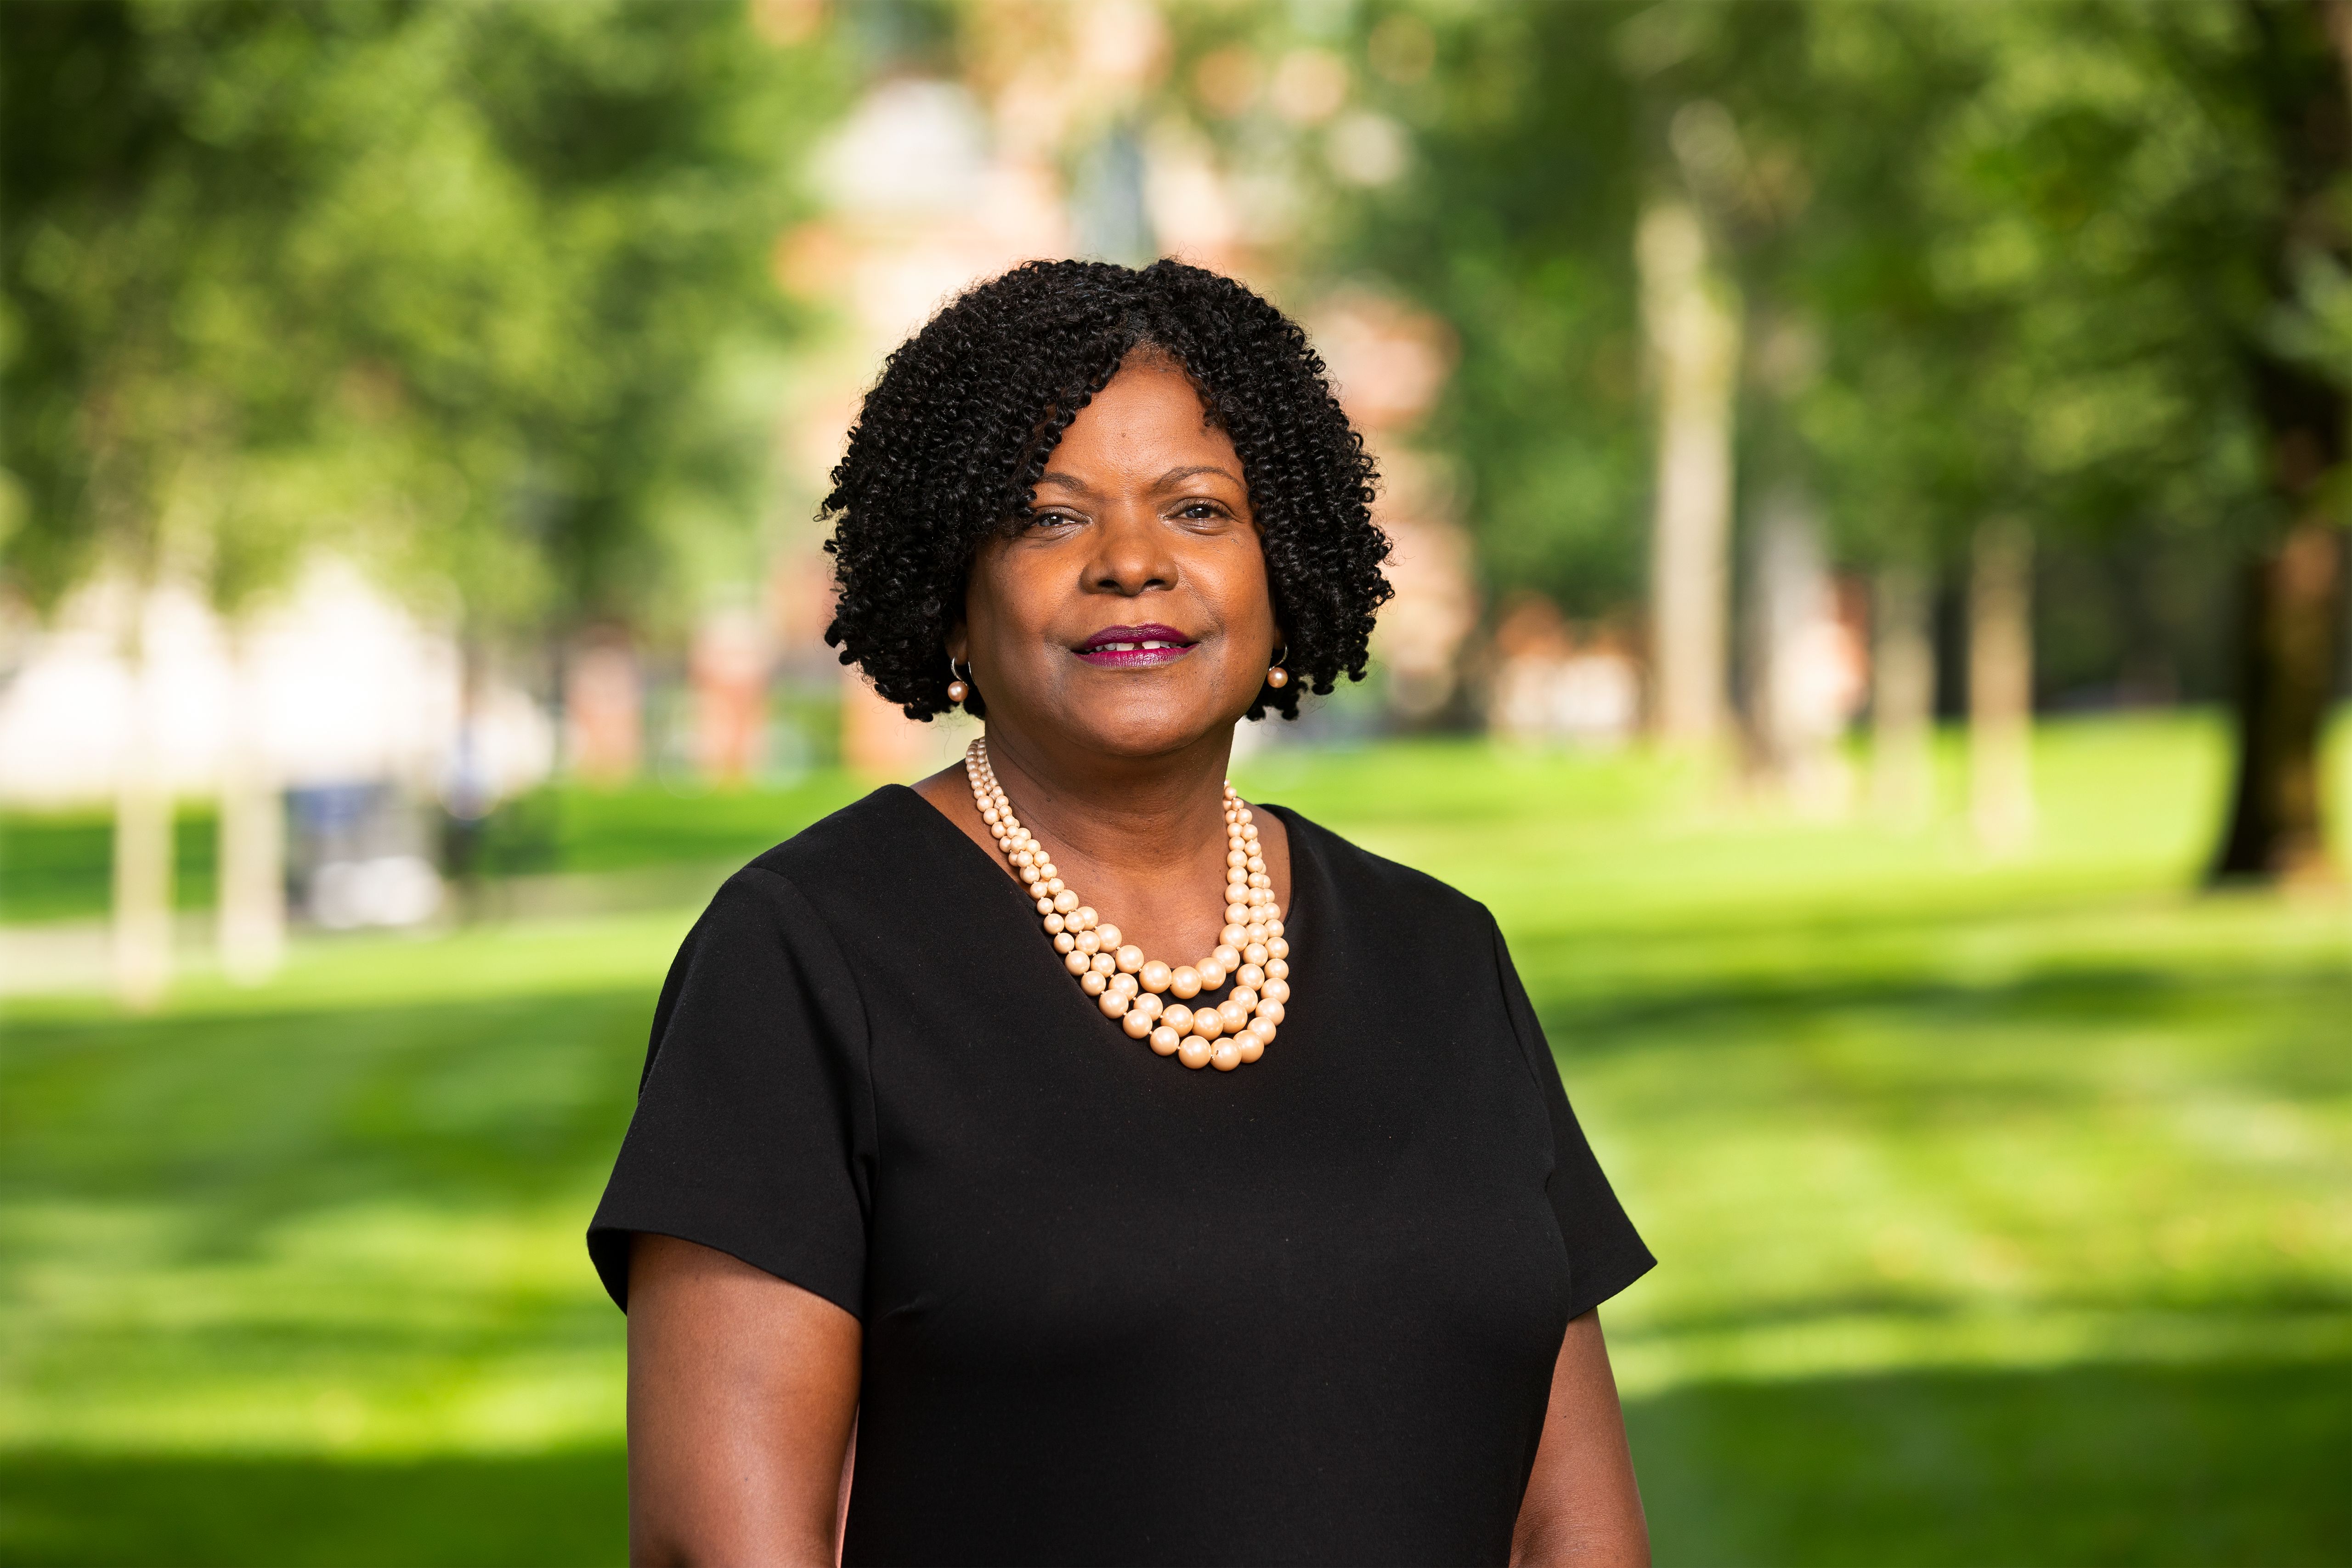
(753, 1129)
(1605, 1254)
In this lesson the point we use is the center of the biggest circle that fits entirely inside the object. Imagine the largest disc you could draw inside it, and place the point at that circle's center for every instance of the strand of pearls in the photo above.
(1250, 949)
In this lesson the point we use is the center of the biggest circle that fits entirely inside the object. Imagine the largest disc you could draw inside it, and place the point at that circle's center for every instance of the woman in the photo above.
(917, 1155)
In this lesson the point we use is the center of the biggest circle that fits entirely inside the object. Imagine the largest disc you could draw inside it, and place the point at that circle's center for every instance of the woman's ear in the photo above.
(958, 644)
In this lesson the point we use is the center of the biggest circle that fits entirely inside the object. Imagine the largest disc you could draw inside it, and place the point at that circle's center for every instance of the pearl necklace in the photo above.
(1126, 985)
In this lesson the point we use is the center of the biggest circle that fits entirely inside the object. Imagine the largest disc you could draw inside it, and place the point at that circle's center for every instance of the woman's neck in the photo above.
(1152, 816)
(1141, 840)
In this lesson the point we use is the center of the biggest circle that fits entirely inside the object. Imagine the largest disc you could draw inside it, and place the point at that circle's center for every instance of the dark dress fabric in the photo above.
(1116, 1311)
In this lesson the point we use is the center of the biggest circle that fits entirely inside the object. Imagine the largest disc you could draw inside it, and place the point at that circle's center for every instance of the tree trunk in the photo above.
(2001, 687)
(1694, 345)
(1902, 697)
(142, 846)
(2289, 625)
(2291, 611)
(1798, 690)
(469, 794)
(251, 930)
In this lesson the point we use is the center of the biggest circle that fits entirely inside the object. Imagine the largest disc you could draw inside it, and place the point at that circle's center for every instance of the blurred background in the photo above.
(1869, 489)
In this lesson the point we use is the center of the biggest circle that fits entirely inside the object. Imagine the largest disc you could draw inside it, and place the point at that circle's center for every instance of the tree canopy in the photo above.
(2080, 267)
(475, 290)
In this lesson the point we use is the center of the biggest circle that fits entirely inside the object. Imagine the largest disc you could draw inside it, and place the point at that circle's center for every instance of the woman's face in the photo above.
(1130, 616)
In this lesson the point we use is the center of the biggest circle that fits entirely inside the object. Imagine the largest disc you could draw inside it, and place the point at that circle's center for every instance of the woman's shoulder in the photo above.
(878, 846)
(1361, 880)
(887, 824)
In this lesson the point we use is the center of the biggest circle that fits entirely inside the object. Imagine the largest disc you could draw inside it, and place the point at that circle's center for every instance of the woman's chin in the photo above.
(1140, 731)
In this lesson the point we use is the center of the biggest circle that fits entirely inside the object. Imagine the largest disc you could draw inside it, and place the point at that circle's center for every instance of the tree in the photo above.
(1515, 221)
(2296, 73)
(473, 292)
(1695, 341)
(2077, 274)
(2147, 201)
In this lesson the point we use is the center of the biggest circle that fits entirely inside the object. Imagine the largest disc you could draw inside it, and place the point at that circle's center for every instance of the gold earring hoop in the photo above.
(958, 687)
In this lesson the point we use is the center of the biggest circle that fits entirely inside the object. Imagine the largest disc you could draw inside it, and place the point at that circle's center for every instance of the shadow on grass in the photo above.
(240, 1119)
(566, 1509)
(2216, 1464)
(1731, 1009)
(2122, 1465)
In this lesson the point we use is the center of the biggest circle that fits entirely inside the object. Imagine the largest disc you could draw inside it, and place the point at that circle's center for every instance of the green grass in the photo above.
(617, 829)
(2004, 1210)
(58, 865)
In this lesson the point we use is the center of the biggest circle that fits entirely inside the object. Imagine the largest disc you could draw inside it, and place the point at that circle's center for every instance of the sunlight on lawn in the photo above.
(2003, 1211)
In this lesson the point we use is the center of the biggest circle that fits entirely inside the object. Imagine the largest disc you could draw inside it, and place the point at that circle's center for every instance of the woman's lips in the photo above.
(1135, 647)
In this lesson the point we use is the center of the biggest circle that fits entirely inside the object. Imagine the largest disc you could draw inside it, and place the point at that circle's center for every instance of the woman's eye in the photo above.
(1200, 511)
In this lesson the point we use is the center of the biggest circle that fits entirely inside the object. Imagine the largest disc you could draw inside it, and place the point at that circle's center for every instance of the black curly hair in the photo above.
(954, 436)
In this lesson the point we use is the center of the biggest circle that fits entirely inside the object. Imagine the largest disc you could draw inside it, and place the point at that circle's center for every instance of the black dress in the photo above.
(1117, 1310)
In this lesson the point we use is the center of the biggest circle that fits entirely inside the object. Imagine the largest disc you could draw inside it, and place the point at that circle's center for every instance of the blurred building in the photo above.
(604, 709)
(337, 682)
(1556, 682)
(352, 704)
(728, 671)
(1389, 362)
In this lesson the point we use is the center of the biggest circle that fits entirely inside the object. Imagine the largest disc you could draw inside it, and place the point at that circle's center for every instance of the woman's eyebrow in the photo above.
(1175, 476)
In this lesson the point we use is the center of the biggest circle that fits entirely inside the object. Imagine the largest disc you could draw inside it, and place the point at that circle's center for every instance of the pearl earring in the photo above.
(1278, 677)
(957, 690)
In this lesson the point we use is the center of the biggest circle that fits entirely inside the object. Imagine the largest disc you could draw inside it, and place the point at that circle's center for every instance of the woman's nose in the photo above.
(1131, 554)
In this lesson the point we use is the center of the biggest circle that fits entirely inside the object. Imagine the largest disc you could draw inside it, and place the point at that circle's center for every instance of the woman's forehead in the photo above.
(1148, 415)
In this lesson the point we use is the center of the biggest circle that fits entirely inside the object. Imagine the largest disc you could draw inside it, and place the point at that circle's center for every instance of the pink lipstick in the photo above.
(1135, 647)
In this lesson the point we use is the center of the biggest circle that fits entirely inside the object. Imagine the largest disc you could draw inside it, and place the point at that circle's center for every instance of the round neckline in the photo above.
(986, 862)
(983, 857)
(996, 871)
